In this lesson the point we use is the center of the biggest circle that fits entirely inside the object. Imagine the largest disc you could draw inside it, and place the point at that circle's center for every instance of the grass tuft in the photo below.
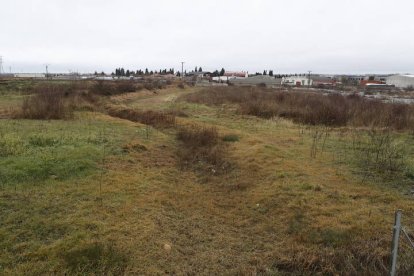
(95, 258)
(149, 117)
(230, 138)
(200, 147)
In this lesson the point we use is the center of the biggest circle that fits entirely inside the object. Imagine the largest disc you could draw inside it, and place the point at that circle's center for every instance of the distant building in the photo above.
(104, 78)
(368, 82)
(378, 87)
(401, 81)
(30, 75)
(198, 74)
(351, 79)
(220, 79)
(381, 78)
(267, 81)
(6, 76)
(323, 81)
(297, 81)
(231, 74)
(355, 78)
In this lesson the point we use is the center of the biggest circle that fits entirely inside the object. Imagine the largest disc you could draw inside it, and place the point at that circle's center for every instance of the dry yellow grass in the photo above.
(278, 211)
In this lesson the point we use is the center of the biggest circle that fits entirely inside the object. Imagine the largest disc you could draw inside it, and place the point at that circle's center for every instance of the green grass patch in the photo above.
(34, 151)
(95, 258)
(230, 138)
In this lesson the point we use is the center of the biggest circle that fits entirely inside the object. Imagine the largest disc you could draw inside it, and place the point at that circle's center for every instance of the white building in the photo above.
(401, 81)
(220, 79)
(267, 81)
(232, 74)
(30, 75)
(297, 81)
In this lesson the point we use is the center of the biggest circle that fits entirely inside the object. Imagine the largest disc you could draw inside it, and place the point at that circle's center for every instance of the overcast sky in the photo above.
(325, 36)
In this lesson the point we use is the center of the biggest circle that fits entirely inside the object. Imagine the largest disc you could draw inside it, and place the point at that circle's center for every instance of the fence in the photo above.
(402, 248)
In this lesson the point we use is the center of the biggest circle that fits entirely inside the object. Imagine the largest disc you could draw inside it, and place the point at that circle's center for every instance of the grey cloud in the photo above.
(287, 36)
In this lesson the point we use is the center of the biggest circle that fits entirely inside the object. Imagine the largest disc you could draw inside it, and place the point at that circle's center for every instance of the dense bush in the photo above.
(149, 117)
(47, 102)
(108, 88)
(310, 108)
(201, 147)
(125, 87)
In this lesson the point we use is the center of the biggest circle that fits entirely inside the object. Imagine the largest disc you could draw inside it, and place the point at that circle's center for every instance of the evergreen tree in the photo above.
(222, 72)
(200, 69)
(196, 69)
(264, 72)
(271, 73)
(146, 71)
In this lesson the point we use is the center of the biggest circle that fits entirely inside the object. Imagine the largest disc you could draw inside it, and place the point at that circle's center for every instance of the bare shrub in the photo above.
(125, 87)
(150, 117)
(155, 84)
(149, 86)
(379, 152)
(102, 87)
(201, 147)
(108, 88)
(309, 107)
(47, 102)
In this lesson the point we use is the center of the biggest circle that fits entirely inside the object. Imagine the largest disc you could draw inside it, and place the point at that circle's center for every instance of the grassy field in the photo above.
(98, 195)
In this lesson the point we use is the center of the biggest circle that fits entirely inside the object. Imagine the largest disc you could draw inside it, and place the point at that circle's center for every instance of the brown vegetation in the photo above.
(310, 108)
(277, 213)
(201, 147)
(56, 100)
(47, 102)
(149, 117)
(107, 88)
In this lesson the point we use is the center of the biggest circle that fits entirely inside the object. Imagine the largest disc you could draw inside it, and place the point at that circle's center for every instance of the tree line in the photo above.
(121, 72)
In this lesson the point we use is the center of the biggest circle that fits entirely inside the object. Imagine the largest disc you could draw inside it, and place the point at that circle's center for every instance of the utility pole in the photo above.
(309, 78)
(182, 69)
(47, 70)
(395, 239)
